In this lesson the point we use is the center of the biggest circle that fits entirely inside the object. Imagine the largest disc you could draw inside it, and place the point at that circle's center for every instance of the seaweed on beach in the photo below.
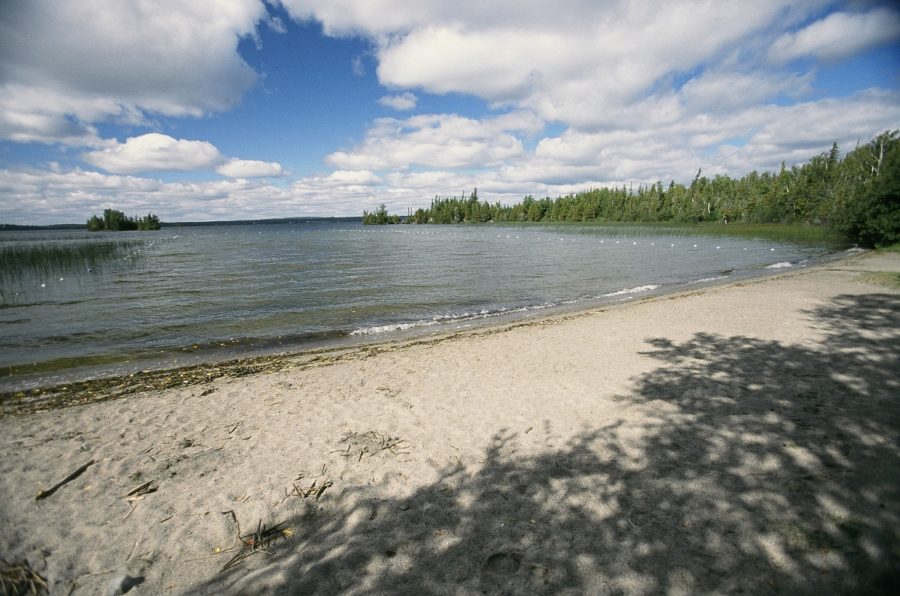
(370, 443)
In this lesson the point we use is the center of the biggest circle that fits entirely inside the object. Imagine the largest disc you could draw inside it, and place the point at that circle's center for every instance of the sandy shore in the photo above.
(737, 439)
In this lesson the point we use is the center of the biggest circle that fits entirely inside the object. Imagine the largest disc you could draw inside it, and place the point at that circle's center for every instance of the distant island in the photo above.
(116, 221)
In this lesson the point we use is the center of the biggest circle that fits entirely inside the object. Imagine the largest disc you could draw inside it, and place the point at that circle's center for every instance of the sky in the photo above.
(244, 109)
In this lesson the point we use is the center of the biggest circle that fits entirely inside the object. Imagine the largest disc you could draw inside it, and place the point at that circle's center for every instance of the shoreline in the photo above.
(738, 438)
(115, 386)
(44, 350)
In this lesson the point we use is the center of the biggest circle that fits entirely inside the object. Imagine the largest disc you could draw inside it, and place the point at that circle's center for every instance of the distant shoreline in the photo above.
(188, 224)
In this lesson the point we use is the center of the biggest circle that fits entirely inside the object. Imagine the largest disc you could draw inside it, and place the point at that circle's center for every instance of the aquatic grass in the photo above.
(791, 233)
(796, 233)
(35, 259)
(29, 266)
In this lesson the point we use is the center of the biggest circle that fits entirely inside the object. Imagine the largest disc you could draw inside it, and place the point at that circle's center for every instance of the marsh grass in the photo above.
(792, 233)
(21, 260)
(35, 266)
(797, 233)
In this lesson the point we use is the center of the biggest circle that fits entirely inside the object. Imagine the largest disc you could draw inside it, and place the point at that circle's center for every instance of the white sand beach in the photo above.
(743, 438)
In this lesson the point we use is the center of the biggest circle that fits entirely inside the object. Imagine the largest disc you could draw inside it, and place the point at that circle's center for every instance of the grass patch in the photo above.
(803, 234)
(27, 259)
(888, 279)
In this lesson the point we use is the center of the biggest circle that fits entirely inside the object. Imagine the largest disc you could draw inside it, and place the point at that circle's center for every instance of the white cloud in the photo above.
(438, 140)
(249, 168)
(351, 178)
(155, 152)
(756, 137)
(728, 90)
(572, 63)
(838, 35)
(73, 63)
(402, 102)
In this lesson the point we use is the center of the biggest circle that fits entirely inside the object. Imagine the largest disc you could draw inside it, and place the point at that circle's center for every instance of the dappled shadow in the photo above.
(758, 467)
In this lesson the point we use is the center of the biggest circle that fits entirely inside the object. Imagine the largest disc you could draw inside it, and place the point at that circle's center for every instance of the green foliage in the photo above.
(116, 221)
(380, 217)
(857, 196)
(871, 214)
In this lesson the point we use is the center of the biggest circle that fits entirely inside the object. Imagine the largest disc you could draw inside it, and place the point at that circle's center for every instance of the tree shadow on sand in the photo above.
(760, 467)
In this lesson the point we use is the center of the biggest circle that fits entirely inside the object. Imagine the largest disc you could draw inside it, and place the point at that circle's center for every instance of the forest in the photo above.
(116, 221)
(857, 194)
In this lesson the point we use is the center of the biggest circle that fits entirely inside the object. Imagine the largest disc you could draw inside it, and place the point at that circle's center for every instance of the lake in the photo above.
(75, 304)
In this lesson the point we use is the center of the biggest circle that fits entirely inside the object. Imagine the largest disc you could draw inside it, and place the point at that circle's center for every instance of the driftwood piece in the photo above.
(143, 489)
(47, 492)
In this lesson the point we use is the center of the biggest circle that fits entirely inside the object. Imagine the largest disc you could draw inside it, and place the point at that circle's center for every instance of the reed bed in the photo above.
(34, 261)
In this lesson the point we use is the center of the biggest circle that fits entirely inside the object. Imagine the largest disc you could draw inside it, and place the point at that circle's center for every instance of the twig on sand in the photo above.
(258, 541)
(217, 553)
(46, 493)
(143, 489)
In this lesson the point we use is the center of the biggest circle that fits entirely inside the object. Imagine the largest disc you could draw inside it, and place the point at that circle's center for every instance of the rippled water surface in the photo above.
(70, 307)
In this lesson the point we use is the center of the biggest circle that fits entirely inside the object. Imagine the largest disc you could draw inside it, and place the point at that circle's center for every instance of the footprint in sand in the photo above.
(502, 563)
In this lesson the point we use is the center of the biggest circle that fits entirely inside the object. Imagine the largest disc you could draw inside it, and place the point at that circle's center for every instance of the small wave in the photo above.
(626, 291)
(781, 265)
(706, 279)
(448, 318)
(378, 329)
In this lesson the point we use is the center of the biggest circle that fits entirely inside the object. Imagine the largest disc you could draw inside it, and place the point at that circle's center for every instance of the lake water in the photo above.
(183, 295)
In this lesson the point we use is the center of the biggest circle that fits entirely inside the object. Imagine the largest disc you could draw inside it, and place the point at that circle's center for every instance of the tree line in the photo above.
(858, 194)
(380, 217)
(116, 221)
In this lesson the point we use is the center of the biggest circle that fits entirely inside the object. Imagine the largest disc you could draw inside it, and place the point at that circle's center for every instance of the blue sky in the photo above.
(234, 109)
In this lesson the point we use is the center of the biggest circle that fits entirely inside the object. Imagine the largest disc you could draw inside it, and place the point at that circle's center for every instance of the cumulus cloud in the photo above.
(438, 140)
(757, 137)
(729, 90)
(76, 63)
(351, 178)
(249, 168)
(402, 102)
(154, 152)
(571, 64)
(838, 35)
